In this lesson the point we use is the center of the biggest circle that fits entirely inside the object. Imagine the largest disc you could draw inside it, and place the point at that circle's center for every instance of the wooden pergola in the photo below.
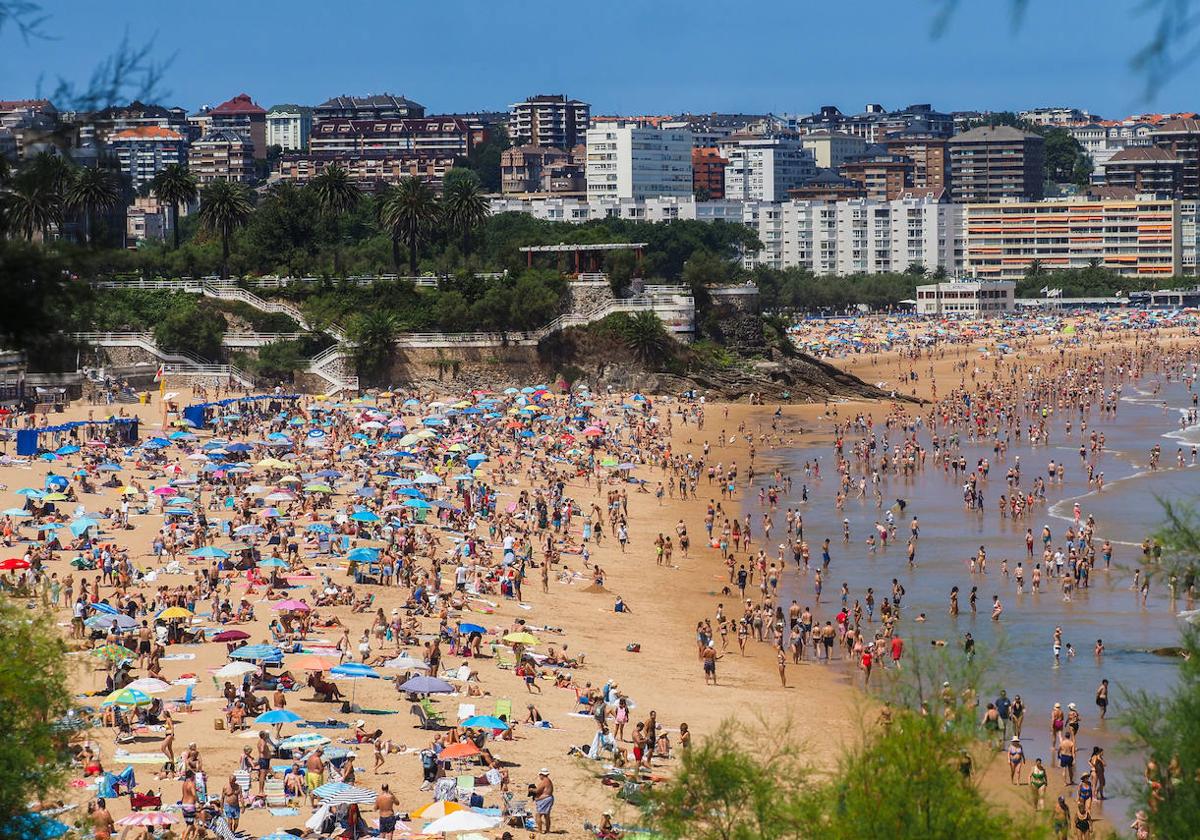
(584, 253)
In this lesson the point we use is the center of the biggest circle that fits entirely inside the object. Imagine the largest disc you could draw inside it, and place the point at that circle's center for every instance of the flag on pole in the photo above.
(158, 375)
(1045, 290)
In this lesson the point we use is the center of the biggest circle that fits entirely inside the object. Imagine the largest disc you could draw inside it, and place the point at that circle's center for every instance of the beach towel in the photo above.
(283, 812)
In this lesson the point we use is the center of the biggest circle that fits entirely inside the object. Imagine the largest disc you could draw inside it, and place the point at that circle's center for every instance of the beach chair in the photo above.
(504, 660)
(466, 789)
(504, 709)
(466, 710)
(425, 721)
(242, 777)
(185, 705)
(514, 811)
(274, 794)
(431, 712)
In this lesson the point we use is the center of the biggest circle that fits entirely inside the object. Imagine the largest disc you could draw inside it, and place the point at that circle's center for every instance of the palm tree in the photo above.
(372, 334)
(54, 171)
(31, 206)
(464, 205)
(408, 211)
(224, 207)
(91, 190)
(336, 195)
(646, 337)
(174, 184)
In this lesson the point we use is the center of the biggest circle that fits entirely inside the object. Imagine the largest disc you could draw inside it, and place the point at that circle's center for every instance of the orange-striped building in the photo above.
(1134, 238)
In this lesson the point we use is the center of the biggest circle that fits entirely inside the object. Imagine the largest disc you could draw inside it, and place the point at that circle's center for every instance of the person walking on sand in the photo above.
(709, 657)
(385, 806)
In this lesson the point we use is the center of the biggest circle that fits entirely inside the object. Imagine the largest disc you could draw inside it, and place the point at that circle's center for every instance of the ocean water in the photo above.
(1021, 643)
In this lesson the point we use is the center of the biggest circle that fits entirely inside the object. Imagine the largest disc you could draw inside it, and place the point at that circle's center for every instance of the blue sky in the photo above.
(623, 56)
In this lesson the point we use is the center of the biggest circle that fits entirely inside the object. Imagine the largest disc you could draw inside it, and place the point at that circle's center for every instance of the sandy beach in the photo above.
(662, 604)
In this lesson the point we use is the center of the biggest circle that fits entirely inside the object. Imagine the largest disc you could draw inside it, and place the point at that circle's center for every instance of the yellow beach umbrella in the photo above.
(436, 810)
(176, 612)
(521, 638)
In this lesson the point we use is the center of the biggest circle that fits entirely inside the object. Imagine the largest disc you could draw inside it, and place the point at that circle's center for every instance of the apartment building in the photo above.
(765, 168)
(222, 155)
(1145, 170)
(875, 122)
(830, 149)
(145, 151)
(708, 173)
(826, 238)
(147, 219)
(1134, 238)
(384, 106)
(626, 161)
(927, 151)
(101, 126)
(1057, 115)
(526, 170)
(1102, 140)
(550, 120)
(969, 298)
(368, 172)
(828, 186)
(1181, 137)
(859, 235)
(288, 126)
(245, 117)
(883, 176)
(996, 163)
(431, 136)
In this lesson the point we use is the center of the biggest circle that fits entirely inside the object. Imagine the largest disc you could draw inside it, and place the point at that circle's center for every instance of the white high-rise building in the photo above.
(625, 161)
(844, 237)
(765, 168)
(288, 126)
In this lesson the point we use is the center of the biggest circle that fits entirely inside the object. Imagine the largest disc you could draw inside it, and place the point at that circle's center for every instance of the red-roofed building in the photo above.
(145, 151)
(244, 116)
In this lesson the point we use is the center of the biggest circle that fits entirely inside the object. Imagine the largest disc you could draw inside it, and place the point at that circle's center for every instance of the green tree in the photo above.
(32, 206)
(337, 194)
(372, 334)
(452, 311)
(224, 208)
(484, 159)
(192, 329)
(464, 205)
(646, 337)
(174, 185)
(1066, 161)
(1164, 727)
(738, 784)
(408, 212)
(34, 696)
(91, 190)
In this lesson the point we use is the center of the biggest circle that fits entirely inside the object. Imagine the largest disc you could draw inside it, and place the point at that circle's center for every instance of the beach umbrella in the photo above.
(364, 516)
(235, 669)
(521, 638)
(363, 555)
(278, 834)
(319, 528)
(96, 622)
(404, 662)
(113, 653)
(427, 685)
(348, 795)
(318, 488)
(153, 818)
(210, 552)
(230, 636)
(13, 564)
(175, 612)
(461, 749)
(304, 740)
(272, 563)
(255, 652)
(464, 627)
(309, 662)
(278, 716)
(436, 810)
(127, 697)
(150, 685)
(16, 511)
(82, 524)
(485, 722)
(291, 605)
(459, 821)
(354, 670)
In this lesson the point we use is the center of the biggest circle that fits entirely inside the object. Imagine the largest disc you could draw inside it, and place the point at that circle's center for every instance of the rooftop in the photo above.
(378, 100)
(240, 104)
(148, 132)
(994, 134)
(1144, 153)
